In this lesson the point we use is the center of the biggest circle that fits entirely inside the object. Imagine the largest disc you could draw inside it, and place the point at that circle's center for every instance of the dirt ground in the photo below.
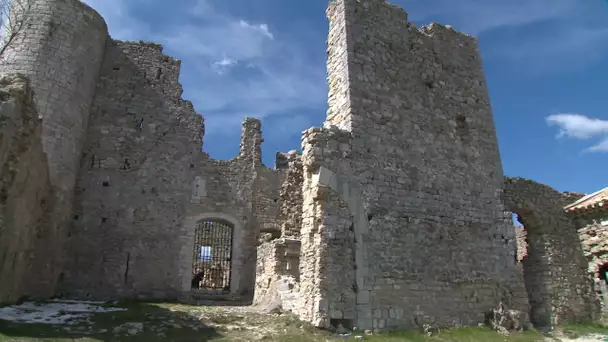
(96, 321)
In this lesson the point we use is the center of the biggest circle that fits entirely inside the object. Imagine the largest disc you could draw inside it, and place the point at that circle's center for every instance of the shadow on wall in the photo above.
(554, 265)
(139, 161)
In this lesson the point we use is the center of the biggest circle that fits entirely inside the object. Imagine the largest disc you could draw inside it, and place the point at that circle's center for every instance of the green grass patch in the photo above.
(464, 334)
(586, 328)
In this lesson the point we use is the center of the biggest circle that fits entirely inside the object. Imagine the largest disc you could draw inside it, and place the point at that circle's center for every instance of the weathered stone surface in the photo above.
(25, 196)
(395, 214)
(408, 219)
(506, 321)
(60, 48)
(591, 219)
(555, 267)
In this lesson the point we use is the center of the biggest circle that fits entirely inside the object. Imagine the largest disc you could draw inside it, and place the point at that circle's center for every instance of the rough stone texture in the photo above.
(60, 49)
(592, 224)
(124, 241)
(290, 195)
(277, 263)
(594, 239)
(521, 243)
(25, 196)
(506, 321)
(393, 216)
(554, 269)
(398, 229)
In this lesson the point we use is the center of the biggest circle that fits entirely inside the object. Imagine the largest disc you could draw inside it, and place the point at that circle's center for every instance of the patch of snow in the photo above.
(53, 312)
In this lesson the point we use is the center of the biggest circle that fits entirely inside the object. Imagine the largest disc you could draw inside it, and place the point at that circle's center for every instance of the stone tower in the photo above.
(403, 217)
(60, 49)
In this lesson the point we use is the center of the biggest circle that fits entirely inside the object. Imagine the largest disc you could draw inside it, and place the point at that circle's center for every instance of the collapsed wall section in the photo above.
(278, 261)
(139, 162)
(59, 46)
(423, 156)
(232, 191)
(25, 196)
(554, 267)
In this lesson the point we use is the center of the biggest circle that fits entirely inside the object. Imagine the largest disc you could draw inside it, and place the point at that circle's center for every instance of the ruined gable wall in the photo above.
(25, 196)
(139, 162)
(554, 268)
(59, 49)
(231, 189)
(423, 154)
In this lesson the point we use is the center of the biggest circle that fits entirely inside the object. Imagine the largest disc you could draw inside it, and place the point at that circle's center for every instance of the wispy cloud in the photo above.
(479, 16)
(534, 35)
(577, 126)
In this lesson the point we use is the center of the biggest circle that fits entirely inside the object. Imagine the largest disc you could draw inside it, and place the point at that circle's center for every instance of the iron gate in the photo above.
(212, 255)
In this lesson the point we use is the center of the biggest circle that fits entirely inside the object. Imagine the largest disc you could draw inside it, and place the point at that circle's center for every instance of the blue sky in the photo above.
(546, 63)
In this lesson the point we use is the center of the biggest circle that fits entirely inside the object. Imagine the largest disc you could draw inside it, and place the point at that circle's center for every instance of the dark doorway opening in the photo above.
(212, 256)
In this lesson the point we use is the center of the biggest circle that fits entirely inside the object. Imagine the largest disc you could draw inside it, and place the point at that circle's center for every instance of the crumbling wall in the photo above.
(277, 263)
(25, 196)
(60, 48)
(139, 162)
(279, 254)
(290, 196)
(229, 188)
(420, 173)
(521, 242)
(559, 290)
(266, 199)
(594, 240)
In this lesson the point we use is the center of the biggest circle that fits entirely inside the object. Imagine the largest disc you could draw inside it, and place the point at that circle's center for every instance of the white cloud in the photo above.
(263, 28)
(224, 65)
(601, 147)
(581, 127)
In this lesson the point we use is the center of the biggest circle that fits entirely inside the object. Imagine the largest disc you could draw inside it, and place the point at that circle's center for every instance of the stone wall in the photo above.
(25, 196)
(418, 176)
(556, 280)
(521, 242)
(278, 256)
(139, 163)
(290, 195)
(594, 240)
(60, 48)
(228, 190)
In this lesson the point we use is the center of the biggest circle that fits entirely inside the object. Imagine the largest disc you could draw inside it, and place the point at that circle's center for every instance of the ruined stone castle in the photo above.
(396, 213)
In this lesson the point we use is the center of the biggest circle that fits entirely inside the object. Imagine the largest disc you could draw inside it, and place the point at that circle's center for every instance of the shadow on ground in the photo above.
(137, 322)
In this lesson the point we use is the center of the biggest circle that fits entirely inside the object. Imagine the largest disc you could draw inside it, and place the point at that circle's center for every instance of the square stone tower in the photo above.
(403, 222)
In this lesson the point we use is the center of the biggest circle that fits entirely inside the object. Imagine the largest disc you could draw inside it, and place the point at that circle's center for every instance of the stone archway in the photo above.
(208, 232)
(554, 268)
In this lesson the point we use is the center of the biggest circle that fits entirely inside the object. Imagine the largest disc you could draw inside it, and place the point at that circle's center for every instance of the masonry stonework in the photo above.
(554, 267)
(25, 195)
(395, 214)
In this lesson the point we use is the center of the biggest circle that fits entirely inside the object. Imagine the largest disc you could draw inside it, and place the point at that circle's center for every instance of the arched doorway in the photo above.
(554, 266)
(212, 256)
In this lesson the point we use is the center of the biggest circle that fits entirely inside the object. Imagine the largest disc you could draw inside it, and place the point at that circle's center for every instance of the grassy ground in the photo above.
(172, 322)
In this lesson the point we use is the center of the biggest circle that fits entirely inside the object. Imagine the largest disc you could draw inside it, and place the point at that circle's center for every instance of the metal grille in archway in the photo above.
(211, 264)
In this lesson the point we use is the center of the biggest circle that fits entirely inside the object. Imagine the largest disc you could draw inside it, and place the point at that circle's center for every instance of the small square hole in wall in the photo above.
(105, 184)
